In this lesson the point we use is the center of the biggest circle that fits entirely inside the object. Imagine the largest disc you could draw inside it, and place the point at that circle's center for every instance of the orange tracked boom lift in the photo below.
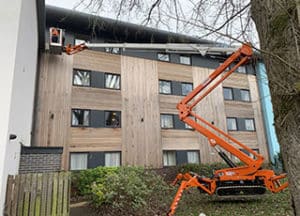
(248, 179)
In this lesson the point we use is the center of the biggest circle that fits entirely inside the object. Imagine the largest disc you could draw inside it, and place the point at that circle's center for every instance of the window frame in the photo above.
(252, 119)
(173, 122)
(113, 74)
(165, 54)
(186, 83)
(194, 151)
(168, 81)
(236, 124)
(188, 127)
(249, 154)
(185, 56)
(232, 95)
(120, 119)
(77, 153)
(244, 71)
(245, 90)
(112, 152)
(89, 117)
(73, 77)
(166, 152)
(113, 50)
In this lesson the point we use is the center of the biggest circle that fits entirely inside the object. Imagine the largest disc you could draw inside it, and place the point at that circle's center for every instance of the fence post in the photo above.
(8, 199)
(38, 194)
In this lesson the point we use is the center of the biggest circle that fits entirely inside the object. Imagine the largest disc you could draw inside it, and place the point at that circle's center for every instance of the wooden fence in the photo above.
(38, 194)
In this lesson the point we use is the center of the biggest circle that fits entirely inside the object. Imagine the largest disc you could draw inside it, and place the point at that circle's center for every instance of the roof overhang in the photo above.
(41, 22)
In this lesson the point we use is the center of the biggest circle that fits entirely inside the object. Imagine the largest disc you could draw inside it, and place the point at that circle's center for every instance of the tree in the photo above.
(278, 26)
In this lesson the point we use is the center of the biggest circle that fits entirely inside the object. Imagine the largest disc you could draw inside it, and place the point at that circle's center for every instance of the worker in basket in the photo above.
(54, 35)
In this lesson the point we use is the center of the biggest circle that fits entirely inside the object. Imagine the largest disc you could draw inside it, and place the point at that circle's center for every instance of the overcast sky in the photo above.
(166, 23)
(62, 3)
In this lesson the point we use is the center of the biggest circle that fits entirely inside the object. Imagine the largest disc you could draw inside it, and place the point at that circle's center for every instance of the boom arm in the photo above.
(215, 136)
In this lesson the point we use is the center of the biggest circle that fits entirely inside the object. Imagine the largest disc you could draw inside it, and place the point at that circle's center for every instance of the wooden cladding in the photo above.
(140, 137)
(95, 98)
(97, 61)
(236, 80)
(141, 142)
(210, 108)
(179, 139)
(168, 103)
(239, 109)
(52, 113)
(95, 139)
(176, 72)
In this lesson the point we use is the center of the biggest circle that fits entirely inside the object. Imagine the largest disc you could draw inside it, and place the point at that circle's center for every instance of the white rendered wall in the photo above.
(18, 57)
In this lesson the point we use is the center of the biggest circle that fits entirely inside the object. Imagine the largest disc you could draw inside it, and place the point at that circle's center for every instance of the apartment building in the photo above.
(112, 107)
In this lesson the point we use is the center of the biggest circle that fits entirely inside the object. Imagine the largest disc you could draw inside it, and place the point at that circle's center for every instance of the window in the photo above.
(249, 125)
(78, 161)
(114, 50)
(163, 57)
(186, 88)
(228, 93)
(185, 60)
(188, 126)
(249, 154)
(112, 81)
(231, 124)
(245, 95)
(112, 159)
(165, 87)
(166, 121)
(169, 158)
(81, 78)
(241, 69)
(80, 117)
(257, 151)
(193, 157)
(113, 119)
(228, 68)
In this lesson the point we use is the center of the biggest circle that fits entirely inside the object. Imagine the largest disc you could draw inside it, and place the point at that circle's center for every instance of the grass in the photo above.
(193, 203)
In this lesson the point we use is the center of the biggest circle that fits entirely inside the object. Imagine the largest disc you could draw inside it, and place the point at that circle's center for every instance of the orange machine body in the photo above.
(233, 180)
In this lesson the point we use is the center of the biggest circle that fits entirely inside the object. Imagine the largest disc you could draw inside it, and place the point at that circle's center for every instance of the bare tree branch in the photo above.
(228, 20)
(155, 4)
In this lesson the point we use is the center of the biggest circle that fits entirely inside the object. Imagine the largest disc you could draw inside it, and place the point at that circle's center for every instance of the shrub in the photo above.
(82, 181)
(202, 169)
(130, 190)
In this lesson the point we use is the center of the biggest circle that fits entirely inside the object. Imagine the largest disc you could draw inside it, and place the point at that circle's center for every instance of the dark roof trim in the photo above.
(41, 21)
(82, 23)
(41, 150)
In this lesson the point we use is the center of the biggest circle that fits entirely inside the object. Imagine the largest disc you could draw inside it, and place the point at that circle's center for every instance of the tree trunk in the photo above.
(278, 28)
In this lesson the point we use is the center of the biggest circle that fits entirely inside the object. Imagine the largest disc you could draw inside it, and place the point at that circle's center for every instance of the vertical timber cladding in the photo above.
(212, 109)
(257, 138)
(174, 139)
(258, 118)
(141, 142)
(96, 139)
(54, 102)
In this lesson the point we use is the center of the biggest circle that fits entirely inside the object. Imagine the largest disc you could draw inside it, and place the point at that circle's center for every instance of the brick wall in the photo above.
(40, 159)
